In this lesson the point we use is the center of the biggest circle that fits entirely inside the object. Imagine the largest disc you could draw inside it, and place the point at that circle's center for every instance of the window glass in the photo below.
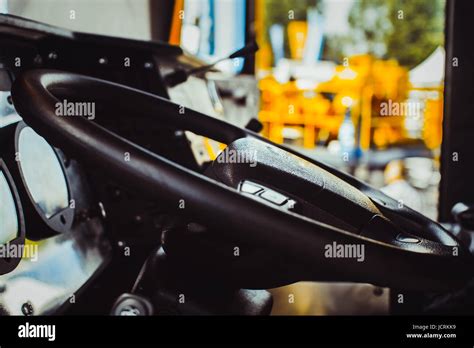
(42, 172)
(8, 215)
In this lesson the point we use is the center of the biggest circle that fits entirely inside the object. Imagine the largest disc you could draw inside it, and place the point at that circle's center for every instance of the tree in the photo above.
(405, 30)
(417, 29)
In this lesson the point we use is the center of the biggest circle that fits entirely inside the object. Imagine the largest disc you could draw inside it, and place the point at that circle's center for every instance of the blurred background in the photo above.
(354, 83)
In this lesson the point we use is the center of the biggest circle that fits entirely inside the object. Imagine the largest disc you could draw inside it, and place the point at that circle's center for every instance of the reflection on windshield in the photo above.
(42, 171)
(8, 216)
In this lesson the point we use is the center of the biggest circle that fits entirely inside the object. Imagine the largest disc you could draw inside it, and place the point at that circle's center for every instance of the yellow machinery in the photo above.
(367, 82)
(367, 86)
(362, 84)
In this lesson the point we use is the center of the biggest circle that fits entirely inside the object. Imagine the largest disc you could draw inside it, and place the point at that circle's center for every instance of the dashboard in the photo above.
(40, 197)
(51, 211)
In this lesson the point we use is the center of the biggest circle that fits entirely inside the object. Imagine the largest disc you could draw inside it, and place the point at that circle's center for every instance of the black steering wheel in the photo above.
(317, 216)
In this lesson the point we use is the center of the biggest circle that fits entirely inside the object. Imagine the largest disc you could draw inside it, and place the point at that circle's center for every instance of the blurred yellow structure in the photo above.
(319, 111)
(297, 32)
(368, 84)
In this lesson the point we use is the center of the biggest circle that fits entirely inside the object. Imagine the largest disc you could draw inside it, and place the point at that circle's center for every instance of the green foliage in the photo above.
(418, 33)
(406, 30)
(277, 11)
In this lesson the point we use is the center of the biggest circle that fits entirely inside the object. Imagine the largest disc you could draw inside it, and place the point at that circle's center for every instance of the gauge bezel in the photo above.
(8, 265)
(39, 225)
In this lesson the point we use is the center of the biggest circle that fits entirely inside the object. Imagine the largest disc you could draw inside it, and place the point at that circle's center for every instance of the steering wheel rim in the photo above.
(427, 265)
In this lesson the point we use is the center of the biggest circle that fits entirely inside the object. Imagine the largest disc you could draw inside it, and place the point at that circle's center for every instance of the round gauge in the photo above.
(11, 223)
(44, 183)
(8, 214)
(41, 180)
(42, 173)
